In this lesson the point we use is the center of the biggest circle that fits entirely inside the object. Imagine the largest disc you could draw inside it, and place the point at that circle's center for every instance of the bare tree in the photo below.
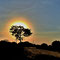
(19, 32)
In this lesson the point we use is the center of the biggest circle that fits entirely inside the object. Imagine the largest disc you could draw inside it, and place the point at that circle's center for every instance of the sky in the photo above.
(44, 15)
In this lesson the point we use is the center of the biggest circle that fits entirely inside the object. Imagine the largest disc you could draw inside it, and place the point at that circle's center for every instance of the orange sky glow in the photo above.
(14, 21)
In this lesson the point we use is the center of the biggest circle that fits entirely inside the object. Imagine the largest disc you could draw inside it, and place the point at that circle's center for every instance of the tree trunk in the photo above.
(20, 38)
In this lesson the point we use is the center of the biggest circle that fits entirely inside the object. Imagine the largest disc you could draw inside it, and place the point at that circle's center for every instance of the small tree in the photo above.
(19, 32)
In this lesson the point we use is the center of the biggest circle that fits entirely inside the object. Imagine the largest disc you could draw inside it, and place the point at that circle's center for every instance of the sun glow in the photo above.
(16, 21)
(20, 21)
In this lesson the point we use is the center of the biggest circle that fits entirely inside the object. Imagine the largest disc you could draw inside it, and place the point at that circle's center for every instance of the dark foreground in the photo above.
(15, 51)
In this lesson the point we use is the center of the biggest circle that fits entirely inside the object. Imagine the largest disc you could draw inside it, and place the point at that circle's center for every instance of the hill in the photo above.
(28, 51)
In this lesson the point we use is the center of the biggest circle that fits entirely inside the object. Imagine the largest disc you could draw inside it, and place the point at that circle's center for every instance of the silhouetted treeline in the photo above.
(5, 44)
(16, 51)
(55, 46)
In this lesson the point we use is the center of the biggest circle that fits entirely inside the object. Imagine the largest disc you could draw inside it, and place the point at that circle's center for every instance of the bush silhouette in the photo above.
(44, 46)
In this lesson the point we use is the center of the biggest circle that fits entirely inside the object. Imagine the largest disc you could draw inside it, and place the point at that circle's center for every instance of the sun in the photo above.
(20, 24)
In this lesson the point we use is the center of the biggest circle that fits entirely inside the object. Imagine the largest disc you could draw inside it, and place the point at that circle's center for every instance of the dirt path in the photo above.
(32, 51)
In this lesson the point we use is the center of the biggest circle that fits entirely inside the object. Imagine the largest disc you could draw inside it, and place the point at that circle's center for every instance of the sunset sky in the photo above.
(42, 17)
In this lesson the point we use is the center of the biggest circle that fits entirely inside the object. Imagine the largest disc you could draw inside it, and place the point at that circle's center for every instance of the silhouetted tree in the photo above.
(19, 32)
(56, 46)
(56, 43)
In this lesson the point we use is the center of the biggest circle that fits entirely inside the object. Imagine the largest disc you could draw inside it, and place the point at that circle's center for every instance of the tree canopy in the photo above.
(19, 32)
